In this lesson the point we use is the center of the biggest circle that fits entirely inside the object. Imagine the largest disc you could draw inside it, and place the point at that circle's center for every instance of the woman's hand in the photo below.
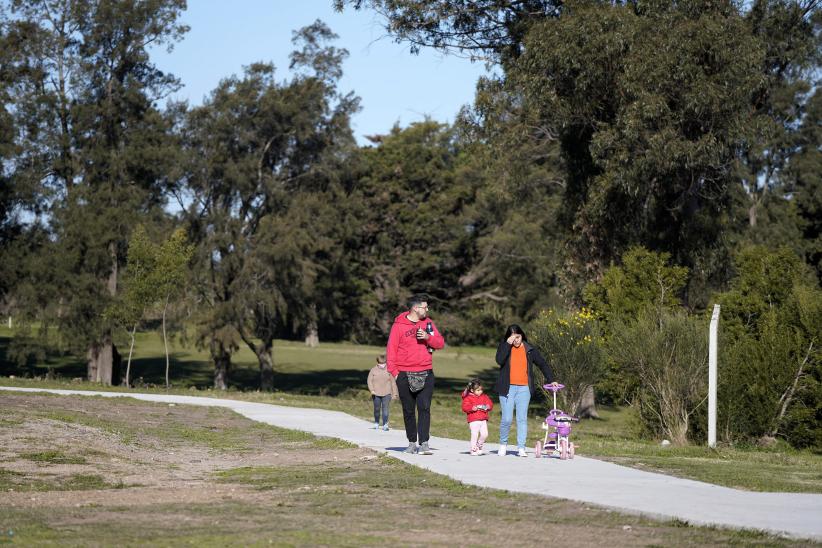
(511, 339)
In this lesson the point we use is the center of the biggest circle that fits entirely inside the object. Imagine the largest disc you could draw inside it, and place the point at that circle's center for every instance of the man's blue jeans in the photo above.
(517, 401)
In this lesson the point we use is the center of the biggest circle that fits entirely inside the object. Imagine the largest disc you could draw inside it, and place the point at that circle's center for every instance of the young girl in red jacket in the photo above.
(477, 405)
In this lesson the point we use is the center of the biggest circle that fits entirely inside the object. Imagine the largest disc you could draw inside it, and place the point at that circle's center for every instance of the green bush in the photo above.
(770, 359)
(573, 345)
(667, 353)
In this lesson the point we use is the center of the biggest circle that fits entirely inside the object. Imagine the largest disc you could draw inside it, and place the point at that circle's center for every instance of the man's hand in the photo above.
(422, 335)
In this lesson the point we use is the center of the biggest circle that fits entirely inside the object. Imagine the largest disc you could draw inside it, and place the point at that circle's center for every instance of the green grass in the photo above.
(329, 369)
(333, 376)
(341, 501)
(53, 457)
(39, 482)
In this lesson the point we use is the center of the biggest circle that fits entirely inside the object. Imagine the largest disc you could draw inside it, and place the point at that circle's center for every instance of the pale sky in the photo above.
(394, 86)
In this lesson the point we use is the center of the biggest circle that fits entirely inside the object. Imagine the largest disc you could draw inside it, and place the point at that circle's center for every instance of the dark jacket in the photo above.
(504, 361)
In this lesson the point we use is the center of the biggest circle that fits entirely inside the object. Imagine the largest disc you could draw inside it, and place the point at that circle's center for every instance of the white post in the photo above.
(712, 378)
(9, 322)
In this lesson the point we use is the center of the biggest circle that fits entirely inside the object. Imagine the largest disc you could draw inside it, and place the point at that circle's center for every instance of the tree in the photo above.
(412, 235)
(771, 322)
(490, 30)
(677, 122)
(643, 280)
(167, 277)
(789, 32)
(84, 100)
(804, 181)
(256, 149)
(514, 218)
(138, 291)
(650, 103)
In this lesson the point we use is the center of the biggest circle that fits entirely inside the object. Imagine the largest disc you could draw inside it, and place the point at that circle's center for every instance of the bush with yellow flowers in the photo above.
(573, 345)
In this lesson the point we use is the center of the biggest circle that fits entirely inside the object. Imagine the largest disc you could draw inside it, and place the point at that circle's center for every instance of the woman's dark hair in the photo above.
(514, 329)
(473, 384)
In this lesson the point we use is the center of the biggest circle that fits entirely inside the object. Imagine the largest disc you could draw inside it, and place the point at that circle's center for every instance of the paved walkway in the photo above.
(582, 479)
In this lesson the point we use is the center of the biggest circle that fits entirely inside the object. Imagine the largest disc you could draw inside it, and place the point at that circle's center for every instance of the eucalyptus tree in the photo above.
(804, 181)
(413, 233)
(790, 33)
(258, 150)
(675, 120)
(10, 197)
(95, 147)
(488, 30)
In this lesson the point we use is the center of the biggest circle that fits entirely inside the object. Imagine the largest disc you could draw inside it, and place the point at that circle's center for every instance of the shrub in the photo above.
(643, 280)
(769, 371)
(667, 352)
(573, 345)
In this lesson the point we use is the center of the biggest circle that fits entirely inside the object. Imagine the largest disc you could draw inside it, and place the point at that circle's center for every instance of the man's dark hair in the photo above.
(419, 298)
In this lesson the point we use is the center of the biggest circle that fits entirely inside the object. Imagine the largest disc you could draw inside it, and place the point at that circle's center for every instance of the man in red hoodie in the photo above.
(412, 341)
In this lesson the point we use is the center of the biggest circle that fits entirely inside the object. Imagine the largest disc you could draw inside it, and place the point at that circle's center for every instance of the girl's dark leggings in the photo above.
(416, 408)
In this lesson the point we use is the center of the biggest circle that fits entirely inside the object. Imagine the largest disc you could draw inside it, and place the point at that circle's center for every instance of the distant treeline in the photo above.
(689, 128)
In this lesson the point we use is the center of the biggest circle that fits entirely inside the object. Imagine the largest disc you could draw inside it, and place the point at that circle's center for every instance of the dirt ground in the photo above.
(96, 472)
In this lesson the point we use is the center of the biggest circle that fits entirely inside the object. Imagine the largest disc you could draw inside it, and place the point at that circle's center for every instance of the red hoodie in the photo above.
(469, 400)
(405, 352)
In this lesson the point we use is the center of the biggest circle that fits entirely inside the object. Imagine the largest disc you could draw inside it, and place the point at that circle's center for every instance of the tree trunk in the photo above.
(266, 359)
(787, 396)
(103, 357)
(165, 340)
(222, 364)
(312, 335)
(130, 353)
(752, 215)
(587, 406)
(103, 362)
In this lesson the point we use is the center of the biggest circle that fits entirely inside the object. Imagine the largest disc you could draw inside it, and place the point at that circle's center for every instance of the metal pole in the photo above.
(712, 377)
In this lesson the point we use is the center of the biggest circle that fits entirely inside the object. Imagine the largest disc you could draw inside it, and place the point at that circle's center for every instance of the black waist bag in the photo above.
(416, 380)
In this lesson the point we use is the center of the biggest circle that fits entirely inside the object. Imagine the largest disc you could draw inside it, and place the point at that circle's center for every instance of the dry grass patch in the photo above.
(211, 477)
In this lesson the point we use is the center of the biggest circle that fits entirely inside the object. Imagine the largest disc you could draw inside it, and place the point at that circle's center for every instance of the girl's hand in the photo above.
(474, 408)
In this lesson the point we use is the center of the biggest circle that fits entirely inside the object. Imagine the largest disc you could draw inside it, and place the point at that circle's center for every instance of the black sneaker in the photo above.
(424, 449)
(412, 448)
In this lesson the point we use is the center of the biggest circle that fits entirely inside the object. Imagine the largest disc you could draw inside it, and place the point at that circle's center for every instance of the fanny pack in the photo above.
(416, 380)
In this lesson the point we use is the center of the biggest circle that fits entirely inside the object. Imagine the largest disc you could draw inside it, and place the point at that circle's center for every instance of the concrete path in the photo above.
(582, 479)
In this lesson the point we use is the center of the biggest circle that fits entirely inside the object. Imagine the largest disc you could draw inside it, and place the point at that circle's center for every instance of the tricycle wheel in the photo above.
(563, 449)
(571, 450)
(538, 449)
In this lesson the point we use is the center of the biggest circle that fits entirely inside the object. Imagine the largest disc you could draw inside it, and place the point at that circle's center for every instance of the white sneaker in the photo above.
(385, 427)
(521, 452)
(503, 450)
(376, 426)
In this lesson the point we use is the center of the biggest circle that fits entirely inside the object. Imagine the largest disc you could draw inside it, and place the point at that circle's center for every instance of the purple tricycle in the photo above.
(557, 426)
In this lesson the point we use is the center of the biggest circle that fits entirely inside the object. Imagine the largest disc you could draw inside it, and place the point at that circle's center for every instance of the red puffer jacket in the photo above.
(469, 400)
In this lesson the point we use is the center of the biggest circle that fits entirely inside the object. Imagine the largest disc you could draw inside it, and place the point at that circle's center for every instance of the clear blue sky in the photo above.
(394, 86)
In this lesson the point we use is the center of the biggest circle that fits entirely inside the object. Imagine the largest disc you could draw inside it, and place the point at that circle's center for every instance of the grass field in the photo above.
(93, 471)
(333, 376)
